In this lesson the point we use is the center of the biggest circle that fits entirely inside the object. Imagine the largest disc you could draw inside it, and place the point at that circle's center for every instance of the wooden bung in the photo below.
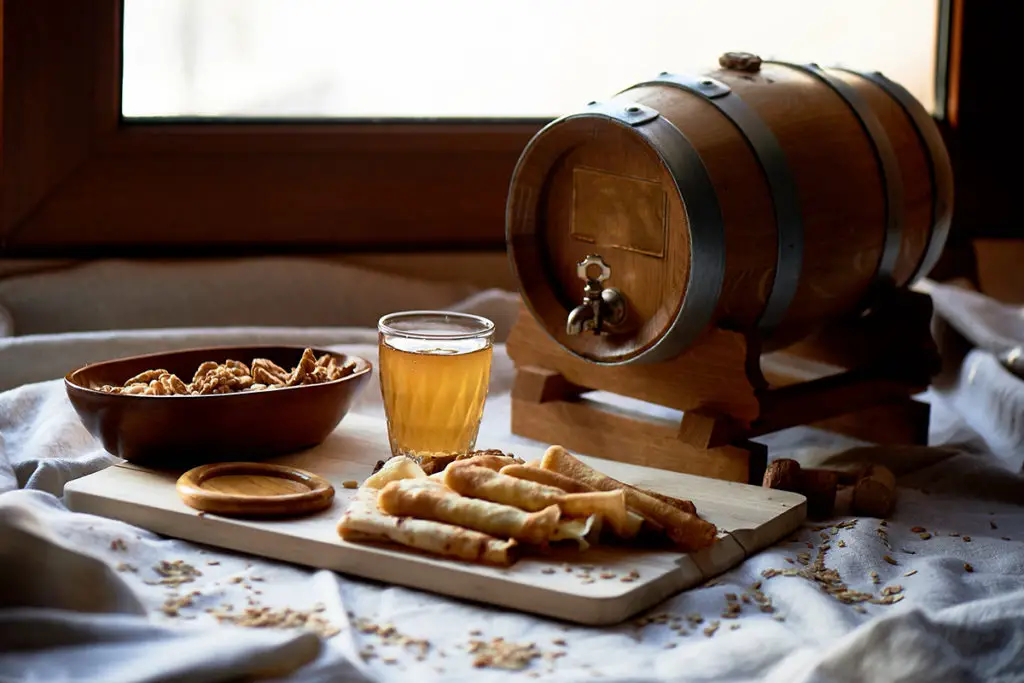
(875, 492)
(760, 196)
(817, 485)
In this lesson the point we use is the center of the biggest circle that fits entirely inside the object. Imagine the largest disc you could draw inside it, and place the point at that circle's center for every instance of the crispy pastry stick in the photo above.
(679, 503)
(404, 498)
(363, 522)
(488, 460)
(626, 528)
(480, 482)
(686, 530)
(552, 478)
(546, 477)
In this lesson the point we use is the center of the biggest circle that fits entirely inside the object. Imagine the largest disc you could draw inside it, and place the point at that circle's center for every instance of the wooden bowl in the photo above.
(183, 431)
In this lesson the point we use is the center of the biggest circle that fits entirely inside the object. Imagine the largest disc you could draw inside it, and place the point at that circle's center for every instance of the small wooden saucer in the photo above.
(254, 489)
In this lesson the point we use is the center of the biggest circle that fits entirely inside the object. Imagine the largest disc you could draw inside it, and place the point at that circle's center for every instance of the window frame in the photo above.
(77, 180)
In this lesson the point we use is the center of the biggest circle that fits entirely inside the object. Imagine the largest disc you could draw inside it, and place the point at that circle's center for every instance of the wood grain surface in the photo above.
(590, 185)
(750, 518)
(254, 489)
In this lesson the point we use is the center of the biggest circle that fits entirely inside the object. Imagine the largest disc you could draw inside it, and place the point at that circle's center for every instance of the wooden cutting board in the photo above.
(750, 518)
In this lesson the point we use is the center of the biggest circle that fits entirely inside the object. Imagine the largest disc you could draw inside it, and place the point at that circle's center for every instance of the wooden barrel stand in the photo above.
(856, 377)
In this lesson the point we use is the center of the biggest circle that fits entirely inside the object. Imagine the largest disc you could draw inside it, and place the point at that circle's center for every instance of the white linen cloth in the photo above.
(68, 614)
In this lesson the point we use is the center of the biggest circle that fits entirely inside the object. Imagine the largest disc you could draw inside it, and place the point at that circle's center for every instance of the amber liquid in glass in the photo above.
(434, 393)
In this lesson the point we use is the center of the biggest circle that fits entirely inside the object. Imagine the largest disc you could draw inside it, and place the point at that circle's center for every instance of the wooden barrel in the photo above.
(763, 197)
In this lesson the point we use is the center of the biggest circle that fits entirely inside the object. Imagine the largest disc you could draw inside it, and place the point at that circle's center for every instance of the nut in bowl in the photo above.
(183, 408)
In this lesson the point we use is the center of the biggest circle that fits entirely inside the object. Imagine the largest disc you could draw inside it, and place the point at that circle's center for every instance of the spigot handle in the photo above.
(583, 268)
(600, 306)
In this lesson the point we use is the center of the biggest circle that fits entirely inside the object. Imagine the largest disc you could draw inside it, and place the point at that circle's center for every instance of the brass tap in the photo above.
(601, 307)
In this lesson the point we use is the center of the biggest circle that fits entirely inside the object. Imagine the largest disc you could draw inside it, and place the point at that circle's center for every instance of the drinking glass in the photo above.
(435, 367)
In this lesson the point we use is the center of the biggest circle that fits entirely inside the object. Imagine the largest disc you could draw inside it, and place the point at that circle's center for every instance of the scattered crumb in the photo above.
(173, 605)
(910, 573)
(889, 559)
(118, 544)
(350, 484)
(918, 529)
(966, 539)
(1005, 538)
(992, 524)
(501, 654)
(547, 570)
(968, 567)
(560, 642)
(860, 609)
(235, 579)
(925, 536)
(734, 627)
(213, 562)
(710, 630)
(174, 572)
(607, 575)
(125, 567)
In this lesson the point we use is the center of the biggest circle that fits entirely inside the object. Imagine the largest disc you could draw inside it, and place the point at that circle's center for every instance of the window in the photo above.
(164, 127)
(532, 59)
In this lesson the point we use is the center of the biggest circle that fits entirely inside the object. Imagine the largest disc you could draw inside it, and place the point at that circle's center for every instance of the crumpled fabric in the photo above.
(79, 598)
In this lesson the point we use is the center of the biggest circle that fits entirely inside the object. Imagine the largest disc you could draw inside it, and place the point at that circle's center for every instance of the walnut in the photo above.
(145, 377)
(221, 379)
(327, 367)
(204, 369)
(302, 374)
(155, 388)
(232, 376)
(268, 372)
(237, 368)
(172, 384)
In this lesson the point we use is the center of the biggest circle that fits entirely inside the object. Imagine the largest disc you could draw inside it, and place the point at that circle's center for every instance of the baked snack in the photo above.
(482, 506)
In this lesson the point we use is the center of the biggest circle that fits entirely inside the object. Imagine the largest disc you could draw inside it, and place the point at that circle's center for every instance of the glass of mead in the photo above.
(435, 367)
